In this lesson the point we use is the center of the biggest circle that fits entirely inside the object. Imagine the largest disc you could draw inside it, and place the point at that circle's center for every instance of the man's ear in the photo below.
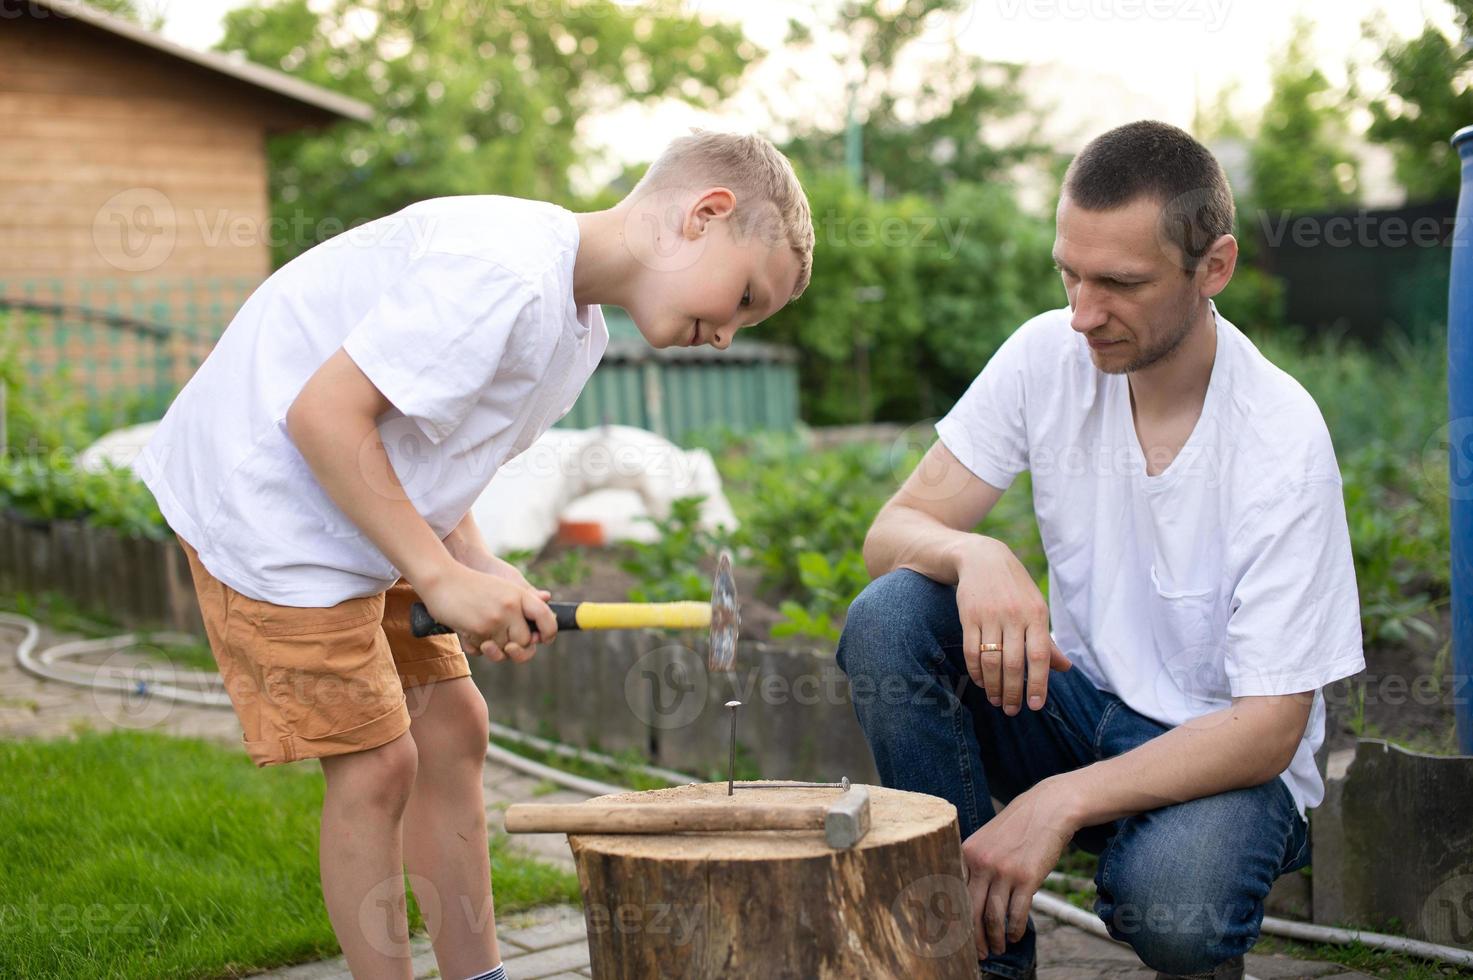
(1215, 270)
(716, 203)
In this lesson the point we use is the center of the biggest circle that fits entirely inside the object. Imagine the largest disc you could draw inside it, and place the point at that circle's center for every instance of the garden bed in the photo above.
(123, 577)
(1406, 693)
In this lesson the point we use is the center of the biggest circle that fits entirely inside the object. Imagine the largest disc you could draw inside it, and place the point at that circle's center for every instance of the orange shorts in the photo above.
(309, 682)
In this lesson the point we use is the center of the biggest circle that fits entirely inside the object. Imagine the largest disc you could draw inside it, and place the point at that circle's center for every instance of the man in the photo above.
(1201, 588)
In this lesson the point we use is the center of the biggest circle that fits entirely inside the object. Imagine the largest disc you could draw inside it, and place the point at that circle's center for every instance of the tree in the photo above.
(910, 296)
(128, 10)
(472, 96)
(1299, 158)
(924, 266)
(917, 138)
(1429, 96)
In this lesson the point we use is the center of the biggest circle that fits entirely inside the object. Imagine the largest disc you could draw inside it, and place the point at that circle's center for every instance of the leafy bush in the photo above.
(1385, 409)
(1401, 537)
(52, 487)
(669, 568)
(45, 427)
(828, 588)
(792, 501)
(910, 296)
(1395, 394)
(805, 515)
(29, 428)
(570, 568)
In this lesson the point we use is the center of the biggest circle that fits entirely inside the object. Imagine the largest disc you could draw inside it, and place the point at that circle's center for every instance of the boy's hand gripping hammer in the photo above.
(721, 615)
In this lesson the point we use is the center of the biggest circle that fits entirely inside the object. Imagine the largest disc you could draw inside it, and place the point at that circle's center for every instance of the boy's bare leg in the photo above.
(445, 846)
(362, 857)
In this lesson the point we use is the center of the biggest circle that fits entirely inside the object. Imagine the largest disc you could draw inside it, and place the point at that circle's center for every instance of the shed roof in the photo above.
(237, 68)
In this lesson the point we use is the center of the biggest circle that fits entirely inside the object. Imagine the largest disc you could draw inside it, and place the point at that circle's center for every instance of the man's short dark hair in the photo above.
(1154, 160)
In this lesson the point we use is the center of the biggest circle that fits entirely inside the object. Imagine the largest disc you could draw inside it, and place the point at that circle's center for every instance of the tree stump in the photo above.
(780, 903)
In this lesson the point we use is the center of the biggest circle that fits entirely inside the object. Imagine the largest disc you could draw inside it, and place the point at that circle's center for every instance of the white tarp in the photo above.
(613, 475)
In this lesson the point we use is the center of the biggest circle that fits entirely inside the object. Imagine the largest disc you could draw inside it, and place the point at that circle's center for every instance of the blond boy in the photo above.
(320, 468)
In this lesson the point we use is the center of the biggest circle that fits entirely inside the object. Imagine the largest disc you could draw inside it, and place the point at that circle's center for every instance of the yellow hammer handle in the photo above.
(638, 615)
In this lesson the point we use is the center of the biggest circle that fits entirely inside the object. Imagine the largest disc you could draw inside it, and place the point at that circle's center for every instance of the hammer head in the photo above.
(725, 619)
(847, 819)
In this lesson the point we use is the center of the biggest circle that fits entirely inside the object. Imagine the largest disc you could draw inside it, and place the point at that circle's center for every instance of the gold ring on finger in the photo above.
(992, 648)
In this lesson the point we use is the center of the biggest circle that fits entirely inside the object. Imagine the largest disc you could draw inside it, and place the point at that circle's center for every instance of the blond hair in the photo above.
(769, 197)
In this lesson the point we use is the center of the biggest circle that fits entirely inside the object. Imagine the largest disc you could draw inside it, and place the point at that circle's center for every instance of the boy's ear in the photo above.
(714, 203)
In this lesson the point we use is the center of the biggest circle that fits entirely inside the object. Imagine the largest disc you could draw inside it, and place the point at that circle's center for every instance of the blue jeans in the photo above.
(1183, 884)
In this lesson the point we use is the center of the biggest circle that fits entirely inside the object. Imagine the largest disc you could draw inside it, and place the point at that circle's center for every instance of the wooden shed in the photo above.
(135, 189)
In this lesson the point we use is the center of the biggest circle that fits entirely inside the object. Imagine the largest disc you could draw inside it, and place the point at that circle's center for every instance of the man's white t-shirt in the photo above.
(1229, 574)
(459, 309)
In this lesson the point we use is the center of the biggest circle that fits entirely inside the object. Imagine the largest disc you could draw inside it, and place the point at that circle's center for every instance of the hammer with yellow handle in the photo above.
(720, 614)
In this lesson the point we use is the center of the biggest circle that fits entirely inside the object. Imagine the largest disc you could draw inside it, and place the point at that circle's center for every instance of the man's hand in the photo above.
(1007, 859)
(999, 604)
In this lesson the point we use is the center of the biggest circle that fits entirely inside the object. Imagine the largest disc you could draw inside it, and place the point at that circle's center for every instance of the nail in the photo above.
(731, 707)
(1035, 702)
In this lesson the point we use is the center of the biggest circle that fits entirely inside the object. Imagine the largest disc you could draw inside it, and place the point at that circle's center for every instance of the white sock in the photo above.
(498, 973)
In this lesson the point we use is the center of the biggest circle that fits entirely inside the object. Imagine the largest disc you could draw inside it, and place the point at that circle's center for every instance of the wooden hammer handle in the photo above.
(658, 818)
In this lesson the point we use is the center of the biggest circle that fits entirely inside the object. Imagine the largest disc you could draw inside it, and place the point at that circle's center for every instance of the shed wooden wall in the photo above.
(127, 166)
(87, 115)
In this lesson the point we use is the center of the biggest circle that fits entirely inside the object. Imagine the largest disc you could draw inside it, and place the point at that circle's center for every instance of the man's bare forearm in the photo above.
(903, 537)
(1235, 747)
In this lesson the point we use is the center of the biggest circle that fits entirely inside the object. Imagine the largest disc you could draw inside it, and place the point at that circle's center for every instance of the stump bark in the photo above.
(780, 903)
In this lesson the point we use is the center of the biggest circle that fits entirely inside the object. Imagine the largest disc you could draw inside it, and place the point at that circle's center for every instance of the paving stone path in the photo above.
(540, 945)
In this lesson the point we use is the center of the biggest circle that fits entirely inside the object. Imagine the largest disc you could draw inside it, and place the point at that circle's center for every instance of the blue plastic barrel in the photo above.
(1460, 442)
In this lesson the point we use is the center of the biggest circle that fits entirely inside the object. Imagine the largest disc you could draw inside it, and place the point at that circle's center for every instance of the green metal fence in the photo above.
(122, 349)
(673, 392)
(1364, 271)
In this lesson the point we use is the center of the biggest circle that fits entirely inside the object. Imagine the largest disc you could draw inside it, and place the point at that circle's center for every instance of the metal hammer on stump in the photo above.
(844, 821)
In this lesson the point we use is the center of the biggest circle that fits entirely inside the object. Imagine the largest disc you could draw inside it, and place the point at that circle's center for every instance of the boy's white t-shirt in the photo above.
(1229, 574)
(459, 309)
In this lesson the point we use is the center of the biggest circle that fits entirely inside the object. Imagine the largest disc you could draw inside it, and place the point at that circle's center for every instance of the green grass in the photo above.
(1356, 956)
(520, 883)
(132, 854)
(1425, 742)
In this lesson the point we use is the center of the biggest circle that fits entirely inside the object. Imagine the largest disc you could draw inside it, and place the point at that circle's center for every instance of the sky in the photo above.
(1094, 63)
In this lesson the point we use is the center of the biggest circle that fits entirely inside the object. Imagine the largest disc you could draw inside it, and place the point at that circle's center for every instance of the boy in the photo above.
(320, 467)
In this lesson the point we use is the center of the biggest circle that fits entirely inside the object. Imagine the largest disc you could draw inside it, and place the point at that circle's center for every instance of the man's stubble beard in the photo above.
(1158, 354)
